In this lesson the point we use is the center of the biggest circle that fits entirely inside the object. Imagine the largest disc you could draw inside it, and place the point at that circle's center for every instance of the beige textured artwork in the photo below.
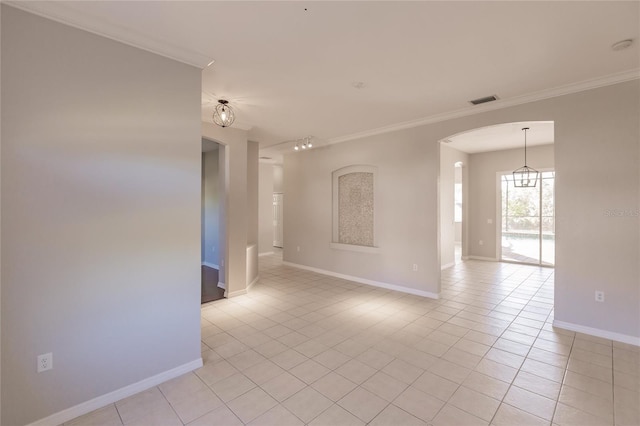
(355, 209)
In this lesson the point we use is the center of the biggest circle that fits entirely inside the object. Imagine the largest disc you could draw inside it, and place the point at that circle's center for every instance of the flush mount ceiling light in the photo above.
(304, 143)
(223, 115)
(525, 176)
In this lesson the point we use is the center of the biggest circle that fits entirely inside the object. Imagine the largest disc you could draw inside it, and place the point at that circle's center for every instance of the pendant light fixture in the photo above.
(223, 115)
(525, 176)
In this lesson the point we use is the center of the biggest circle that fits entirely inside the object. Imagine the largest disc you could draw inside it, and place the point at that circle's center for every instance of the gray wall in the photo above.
(265, 208)
(448, 158)
(483, 192)
(210, 208)
(101, 154)
(597, 159)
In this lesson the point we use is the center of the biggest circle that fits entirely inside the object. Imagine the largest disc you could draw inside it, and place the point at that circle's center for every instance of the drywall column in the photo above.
(100, 218)
(448, 157)
(222, 217)
(236, 208)
(252, 211)
(265, 209)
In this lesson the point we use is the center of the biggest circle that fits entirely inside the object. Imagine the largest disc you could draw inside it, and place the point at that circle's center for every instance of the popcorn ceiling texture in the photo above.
(355, 209)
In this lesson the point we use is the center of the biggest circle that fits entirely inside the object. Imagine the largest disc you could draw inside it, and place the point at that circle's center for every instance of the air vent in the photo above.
(266, 158)
(484, 100)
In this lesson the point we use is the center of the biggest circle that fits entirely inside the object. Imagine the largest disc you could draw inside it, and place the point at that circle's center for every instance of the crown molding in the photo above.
(581, 86)
(64, 14)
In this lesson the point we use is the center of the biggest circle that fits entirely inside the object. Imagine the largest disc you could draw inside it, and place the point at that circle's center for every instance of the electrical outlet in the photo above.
(45, 362)
(599, 296)
(298, 248)
(481, 242)
(489, 221)
(415, 267)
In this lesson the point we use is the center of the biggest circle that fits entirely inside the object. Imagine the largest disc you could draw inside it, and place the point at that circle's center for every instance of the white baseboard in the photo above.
(448, 265)
(618, 337)
(236, 293)
(464, 257)
(366, 281)
(111, 397)
(267, 253)
(255, 280)
(211, 265)
(486, 259)
(222, 285)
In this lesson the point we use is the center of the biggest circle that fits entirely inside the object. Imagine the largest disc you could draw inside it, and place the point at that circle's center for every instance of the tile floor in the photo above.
(304, 348)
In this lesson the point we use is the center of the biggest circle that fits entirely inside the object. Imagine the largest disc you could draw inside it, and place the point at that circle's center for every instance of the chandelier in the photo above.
(525, 176)
(223, 115)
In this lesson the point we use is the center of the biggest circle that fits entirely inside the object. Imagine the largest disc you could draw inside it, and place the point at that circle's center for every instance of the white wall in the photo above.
(406, 198)
(597, 162)
(278, 178)
(448, 158)
(101, 154)
(237, 213)
(210, 209)
(265, 208)
(484, 199)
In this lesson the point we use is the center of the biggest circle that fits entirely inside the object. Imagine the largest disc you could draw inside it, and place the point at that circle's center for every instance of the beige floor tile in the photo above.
(511, 416)
(154, 414)
(195, 405)
(506, 358)
(137, 405)
(547, 357)
(355, 371)
(215, 372)
(232, 387)
(374, 358)
(252, 404)
(536, 384)
(530, 402)
(450, 415)
(384, 386)
(489, 386)
(543, 370)
(219, 417)
(462, 358)
(418, 403)
(311, 348)
(363, 404)
(627, 416)
(588, 384)
(567, 415)
(435, 385)
(476, 403)
(587, 402)
(450, 371)
(627, 381)
(592, 370)
(432, 347)
(277, 416)
(106, 416)
(393, 416)
(483, 338)
(263, 372)
(307, 404)
(403, 371)
(288, 359)
(627, 399)
(512, 347)
(336, 415)
(309, 371)
(331, 359)
(334, 386)
(283, 386)
(496, 370)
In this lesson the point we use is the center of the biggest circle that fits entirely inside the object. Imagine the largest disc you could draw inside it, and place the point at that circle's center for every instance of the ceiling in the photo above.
(337, 70)
(502, 136)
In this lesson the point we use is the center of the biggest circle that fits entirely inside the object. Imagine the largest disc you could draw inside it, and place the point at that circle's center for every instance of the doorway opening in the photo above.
(212, 221)
(528, 221)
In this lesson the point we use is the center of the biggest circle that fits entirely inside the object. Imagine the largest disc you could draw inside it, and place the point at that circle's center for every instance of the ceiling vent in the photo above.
(484, 100)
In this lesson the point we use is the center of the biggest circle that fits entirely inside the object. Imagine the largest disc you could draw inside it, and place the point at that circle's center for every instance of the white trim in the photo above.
(464, 257)
(486, 259)
(67, 15)
(266, 253)
(448, 265)
(581, 86)
(222, 285)
(255, 280)
(366, 281)
(611, 335)
(353, 247)
(211, 265)
(236, 293)
(109, 398)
